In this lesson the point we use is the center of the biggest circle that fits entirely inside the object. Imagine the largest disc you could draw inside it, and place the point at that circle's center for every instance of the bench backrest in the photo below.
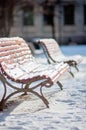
(51, 47)
(14, 52)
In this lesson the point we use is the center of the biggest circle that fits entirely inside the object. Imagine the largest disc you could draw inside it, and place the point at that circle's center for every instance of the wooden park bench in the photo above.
(22, 73)
(53, 54)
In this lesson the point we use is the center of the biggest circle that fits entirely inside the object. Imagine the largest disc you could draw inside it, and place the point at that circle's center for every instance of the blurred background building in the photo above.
(64, 20)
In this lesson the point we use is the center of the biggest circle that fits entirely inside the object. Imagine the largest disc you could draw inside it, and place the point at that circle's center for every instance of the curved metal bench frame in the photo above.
(24, 89)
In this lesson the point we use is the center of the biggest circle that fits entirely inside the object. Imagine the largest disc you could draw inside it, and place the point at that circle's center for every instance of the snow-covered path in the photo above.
(67, 108)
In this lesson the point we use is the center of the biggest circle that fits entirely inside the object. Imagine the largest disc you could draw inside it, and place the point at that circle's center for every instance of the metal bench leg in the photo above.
(60, 85)
(3, 101)
(2, 105)
(4, 97)
(41, 97)
(71, 73)
(76, 68)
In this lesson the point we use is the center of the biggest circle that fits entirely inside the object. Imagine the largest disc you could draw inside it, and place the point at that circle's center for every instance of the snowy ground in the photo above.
(67, 107)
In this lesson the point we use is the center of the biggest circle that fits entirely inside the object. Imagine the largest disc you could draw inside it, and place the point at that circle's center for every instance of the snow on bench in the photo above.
(17, 65)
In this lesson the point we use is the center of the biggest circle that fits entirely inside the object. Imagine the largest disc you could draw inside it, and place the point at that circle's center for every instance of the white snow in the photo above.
(67, 107)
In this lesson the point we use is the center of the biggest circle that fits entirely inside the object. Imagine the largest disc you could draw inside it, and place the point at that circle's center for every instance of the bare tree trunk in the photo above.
(53, 30)
(2, 23)
(6, 19)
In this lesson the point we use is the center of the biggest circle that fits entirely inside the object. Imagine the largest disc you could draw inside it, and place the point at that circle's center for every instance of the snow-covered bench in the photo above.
(21, 72)
(53, 53)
